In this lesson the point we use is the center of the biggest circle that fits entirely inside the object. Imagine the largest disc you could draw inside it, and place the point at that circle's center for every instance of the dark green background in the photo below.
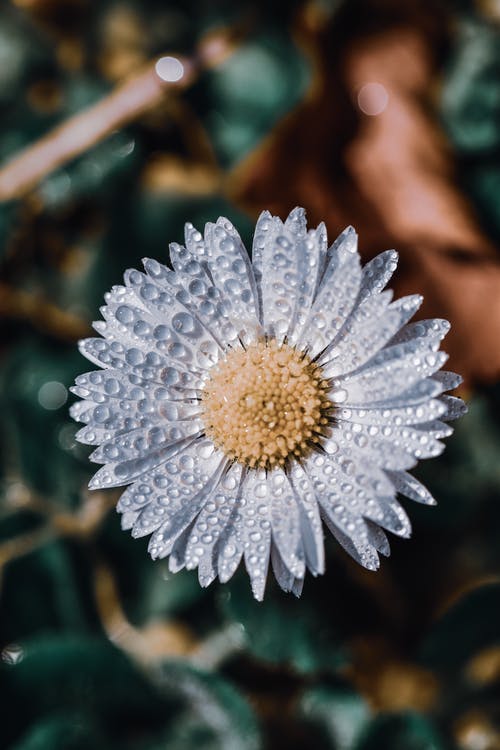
(101, 647)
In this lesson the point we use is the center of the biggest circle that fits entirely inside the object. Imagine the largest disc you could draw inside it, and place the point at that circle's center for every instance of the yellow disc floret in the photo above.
(265, 405)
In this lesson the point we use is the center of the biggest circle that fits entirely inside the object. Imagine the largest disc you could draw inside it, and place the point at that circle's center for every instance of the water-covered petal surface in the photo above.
(300, 317)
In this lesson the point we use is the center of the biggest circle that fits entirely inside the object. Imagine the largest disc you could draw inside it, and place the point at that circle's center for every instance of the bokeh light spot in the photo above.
(66, 437)
(169, 69)
(12, 654)
(52, 395)
(372, 98)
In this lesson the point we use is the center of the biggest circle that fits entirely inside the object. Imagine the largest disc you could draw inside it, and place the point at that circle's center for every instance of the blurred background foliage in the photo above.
(377, 113)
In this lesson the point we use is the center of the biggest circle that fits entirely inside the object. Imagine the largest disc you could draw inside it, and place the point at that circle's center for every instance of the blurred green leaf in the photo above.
(471, 624)
(107, 702)
(62, 733)
(56, 593)
(469, 468)
(36, 426)
(22, 50)
(85, 675)
(90, 174)
(470, 100)
(147, 589)
(337, 712)
(470, 109)
(283, 630)
(217, 716)
(407, 731)
(262, 81)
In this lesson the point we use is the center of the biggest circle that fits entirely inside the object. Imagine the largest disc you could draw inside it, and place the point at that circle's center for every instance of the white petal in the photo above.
(297, 586)
(248, 532)
(345, 243)
(376, 450)
(186, 344)
(291, 267)
(336, 294)
(407, 307)
(362, 343)
(377, 538)
(350, 472)
(390, 378)
(182, 476)
(448, 380)
(344, 497)
(394, 352)
(213, 519)
(140, 443)
(107, 420)
(436, 428)
(435, 328)
(183, 311)
(455, 407)
(186, 264)
(372, 307)
(369, 301)
(90, 435)
(310, 520)
(390, 515)
(149, 367)
(340, 502)
(229, 554)
(309, 267)
(263, 230)
(405, 438)
(284, 578)
(417, 394)
(308, 272)
(121, 295)
(377, 272)
(197, 292)
(296, 223)
(194, 241)
(176, 559)
(128, 519)
(321, 240)
(123, 472)
(410, 487)
(356, 542)
(77, 411)
(286, 527)
(397, 416)
(88, 387)
(139, 494)
(255, 532)
(115, 389)
(116, 473)
(159, 273)
(182, 501)
(232, 273)
(103, 353)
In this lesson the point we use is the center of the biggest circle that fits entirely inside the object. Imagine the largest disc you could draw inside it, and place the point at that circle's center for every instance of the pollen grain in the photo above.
(266, 405)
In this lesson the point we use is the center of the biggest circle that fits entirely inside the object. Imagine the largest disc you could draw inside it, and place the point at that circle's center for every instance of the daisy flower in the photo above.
(248, 404)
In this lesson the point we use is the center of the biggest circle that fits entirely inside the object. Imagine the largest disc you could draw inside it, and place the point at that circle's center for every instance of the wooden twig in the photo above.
(148, 644)
(123, 105)
(17, 304)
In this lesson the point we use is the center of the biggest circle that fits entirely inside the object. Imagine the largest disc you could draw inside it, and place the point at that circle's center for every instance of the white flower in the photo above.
(246, 402)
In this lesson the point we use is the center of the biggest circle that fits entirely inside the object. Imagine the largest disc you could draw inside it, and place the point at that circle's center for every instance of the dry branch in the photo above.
(123, 105)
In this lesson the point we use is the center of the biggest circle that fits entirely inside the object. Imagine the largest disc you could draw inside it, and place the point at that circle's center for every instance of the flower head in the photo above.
(246, 403)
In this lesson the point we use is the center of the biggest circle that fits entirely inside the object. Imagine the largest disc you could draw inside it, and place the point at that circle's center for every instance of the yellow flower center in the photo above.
(265, 405)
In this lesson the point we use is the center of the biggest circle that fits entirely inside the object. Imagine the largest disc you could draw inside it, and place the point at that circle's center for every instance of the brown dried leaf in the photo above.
(391, 175)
